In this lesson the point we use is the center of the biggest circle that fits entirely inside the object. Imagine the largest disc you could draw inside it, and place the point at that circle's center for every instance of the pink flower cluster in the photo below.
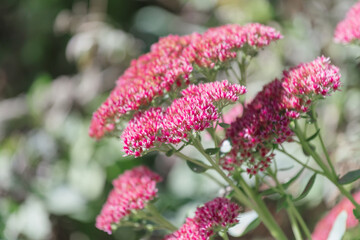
(307, 82)
(132, 190)
(168, 66)
(348, 30)
(218, 45)
(217, 214)
(266, 119)
(196, 110)
(324, 226)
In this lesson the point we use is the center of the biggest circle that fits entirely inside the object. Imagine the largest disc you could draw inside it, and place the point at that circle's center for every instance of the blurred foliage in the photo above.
(60, 58)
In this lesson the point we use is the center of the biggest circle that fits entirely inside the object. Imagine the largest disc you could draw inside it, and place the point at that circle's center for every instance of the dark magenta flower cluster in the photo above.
(218, 213)
(266, 118)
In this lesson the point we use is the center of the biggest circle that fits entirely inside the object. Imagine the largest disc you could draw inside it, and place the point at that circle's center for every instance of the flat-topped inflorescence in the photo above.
(209, 219)
(216, 91)
(348, 30)
(220, 44)
(308, 82)
(132, 191)
(195, 111)
(169, 65)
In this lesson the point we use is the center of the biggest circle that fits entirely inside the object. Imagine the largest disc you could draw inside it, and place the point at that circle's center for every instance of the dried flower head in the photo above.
(324, 226)
(132, 190)
(209, 219)
(348, 30)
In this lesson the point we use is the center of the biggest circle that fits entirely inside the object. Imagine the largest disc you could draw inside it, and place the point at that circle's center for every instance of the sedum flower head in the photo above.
(132, 190)
(220, 44)
(195, 111)
(348, 30)
(265, 120)
(215, 215)
(146, 78)
(309, 81)
(262, 124)
(169, 65)
(324, 226)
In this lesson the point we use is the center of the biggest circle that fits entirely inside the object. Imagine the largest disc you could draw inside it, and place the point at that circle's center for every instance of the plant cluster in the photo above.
(168, 96)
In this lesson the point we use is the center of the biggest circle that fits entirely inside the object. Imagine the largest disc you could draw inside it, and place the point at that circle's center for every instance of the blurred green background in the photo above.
(60, 58)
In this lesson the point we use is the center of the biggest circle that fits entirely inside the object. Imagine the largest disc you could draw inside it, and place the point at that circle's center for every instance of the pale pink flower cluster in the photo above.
(324, 226)
(348, 30)
(132, 190)
(168, 66)
(196, 110)
(215, 215)
(266, 119)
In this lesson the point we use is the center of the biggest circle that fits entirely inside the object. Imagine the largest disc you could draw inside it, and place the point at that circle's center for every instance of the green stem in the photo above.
(158, 218)
(257, 204)
(294, 225)
(322, 142)
(224, 235)
(214, 179)
(301, 221)
(299, 162)
(291, 210)
(179, 154)
(242, 67)
(327, 173)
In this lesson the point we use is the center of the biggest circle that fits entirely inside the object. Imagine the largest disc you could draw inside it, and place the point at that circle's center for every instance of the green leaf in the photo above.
(350, 177)
(307, 188)
(254, 224)
(282, 203)
(306, 152)
(224, 125)
(196, 167)
(268, 192)
(212, 151)
(287, 184)
(170, 152)
(198, 137)
(357, 213)
(313, 136)
(285, 168)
